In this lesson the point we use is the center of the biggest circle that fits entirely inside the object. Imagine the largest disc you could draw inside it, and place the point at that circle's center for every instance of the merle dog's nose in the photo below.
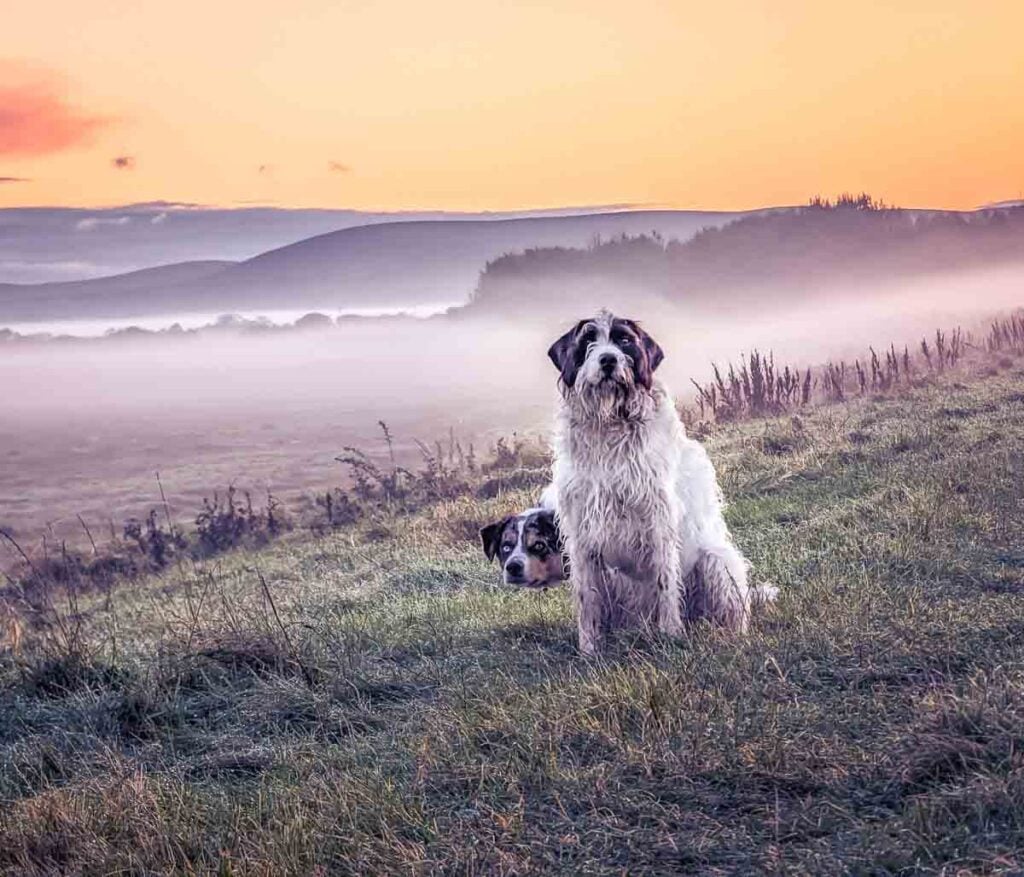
(514, 568)
(607, 362)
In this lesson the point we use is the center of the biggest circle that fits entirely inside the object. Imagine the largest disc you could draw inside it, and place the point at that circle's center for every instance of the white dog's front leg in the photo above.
(670, 604)
(671, 594)
(591, 595)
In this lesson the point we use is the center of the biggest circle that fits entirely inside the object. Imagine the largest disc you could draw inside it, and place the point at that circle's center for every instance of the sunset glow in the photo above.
(468, 105)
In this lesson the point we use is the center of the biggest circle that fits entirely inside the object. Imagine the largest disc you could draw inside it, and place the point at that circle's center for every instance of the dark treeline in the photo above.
(826, 242)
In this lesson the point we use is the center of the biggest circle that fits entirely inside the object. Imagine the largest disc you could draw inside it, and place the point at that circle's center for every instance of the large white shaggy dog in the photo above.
(638, 503)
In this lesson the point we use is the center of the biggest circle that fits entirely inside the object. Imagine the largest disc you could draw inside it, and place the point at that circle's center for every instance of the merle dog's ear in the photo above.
(654, 352)
(563, 354)
(490, 536)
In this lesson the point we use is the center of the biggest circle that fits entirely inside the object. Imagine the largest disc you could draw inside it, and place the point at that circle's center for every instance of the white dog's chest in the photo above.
(612, 493)
(617, 494)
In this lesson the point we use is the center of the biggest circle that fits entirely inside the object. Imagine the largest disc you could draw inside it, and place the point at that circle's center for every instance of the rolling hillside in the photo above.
(383, 265)
(56, 244)
(515, 267)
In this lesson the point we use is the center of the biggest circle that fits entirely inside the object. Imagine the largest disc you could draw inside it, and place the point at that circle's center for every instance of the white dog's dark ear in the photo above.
(490, 536)
(653, 349)
(563, 354)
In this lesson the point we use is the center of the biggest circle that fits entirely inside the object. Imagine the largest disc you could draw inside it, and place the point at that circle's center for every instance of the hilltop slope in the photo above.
(763, 260)
(371, 701)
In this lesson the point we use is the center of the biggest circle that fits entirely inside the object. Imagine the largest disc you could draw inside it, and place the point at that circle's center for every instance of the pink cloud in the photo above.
(36, 117)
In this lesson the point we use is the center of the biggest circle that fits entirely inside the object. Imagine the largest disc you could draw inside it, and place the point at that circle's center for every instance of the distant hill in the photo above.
(791, 253)
(394, 264)
(54, 244)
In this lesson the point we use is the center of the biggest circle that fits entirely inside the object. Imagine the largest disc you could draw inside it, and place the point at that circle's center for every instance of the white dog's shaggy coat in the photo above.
(637, 500)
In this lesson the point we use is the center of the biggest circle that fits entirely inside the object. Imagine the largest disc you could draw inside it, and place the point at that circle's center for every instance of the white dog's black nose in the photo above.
(514, 568)
(607, 362)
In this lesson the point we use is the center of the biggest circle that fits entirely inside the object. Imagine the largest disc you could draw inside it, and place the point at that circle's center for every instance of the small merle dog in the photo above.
(528, 547)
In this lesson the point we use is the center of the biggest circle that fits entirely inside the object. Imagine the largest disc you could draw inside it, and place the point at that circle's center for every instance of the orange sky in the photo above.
(465, 104)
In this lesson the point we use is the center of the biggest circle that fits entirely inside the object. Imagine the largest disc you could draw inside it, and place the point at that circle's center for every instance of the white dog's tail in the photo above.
(763, 593)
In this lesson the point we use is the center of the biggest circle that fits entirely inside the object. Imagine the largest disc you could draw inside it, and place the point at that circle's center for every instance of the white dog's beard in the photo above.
(612, 399)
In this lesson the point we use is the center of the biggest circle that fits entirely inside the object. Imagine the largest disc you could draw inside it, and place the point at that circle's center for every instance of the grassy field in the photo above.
(372, 702)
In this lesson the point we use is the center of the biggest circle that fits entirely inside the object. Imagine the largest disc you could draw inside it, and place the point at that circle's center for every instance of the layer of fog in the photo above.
(86, 425)
(98, 327)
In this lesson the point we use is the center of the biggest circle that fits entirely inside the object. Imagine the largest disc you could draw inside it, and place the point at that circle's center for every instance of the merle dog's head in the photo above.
(606, 357)
(528, 547)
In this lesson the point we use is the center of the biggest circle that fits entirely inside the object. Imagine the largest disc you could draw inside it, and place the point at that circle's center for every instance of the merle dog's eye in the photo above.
(539, 548)
(505, 549)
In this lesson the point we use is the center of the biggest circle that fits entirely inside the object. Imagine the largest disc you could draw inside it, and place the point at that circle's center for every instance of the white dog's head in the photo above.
(607, 362)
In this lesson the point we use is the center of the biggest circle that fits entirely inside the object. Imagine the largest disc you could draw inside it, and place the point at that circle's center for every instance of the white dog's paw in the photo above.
(671, 624)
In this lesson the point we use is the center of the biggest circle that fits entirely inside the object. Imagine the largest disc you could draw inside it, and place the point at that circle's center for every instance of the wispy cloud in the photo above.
(123, 162)
(159, 219)
(337, 167)
(15, 180)
(35, 115)
(144, 206)
(91, 222)
(32, 271)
